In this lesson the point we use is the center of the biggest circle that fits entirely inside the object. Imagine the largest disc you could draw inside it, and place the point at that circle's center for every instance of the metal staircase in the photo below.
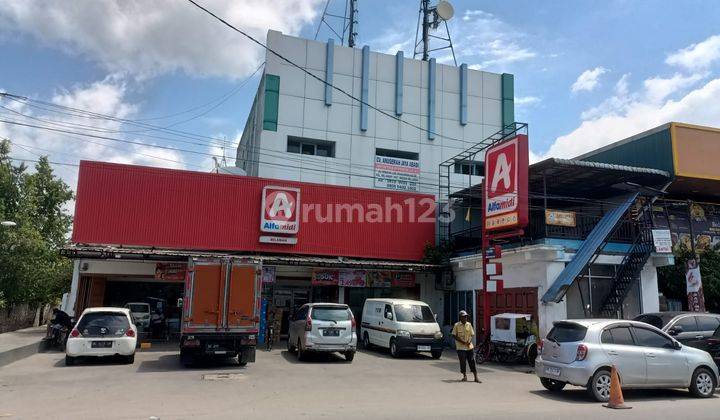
(628, 271)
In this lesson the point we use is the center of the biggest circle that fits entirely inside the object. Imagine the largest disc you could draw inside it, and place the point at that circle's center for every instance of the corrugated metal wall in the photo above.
(140, 206)
(652, 151)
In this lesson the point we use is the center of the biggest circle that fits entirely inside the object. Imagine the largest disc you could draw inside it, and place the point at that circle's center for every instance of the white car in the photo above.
(102, 332)
(140, 312)
(323, 327)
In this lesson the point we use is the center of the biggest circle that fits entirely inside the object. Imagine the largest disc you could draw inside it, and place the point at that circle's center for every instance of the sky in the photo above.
(587, 73)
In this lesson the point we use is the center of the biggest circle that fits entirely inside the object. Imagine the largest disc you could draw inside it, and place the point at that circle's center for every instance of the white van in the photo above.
(402, 326)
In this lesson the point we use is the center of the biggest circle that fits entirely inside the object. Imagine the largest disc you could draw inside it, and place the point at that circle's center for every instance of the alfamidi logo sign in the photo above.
(280, 210)
(506, 179)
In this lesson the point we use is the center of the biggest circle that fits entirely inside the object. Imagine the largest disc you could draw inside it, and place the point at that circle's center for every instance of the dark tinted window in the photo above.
(606, 337)
(388, 310)
(103, 323)
(136, 307)
(687, 323)
(413, 313)
(567, 333)
(648, 338)
(293, 146)
(653, 320)
(330, 314)
(707, 323)
(308, 149)
(301, 313)
(621, 335)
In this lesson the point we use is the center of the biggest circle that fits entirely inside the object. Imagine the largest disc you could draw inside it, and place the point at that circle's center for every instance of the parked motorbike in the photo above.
(58, 336)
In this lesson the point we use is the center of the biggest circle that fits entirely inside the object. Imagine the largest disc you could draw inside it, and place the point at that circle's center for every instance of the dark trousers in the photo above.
(468, 355)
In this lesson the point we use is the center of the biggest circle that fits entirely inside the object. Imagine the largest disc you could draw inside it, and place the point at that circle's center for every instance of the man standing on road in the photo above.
(463, 333)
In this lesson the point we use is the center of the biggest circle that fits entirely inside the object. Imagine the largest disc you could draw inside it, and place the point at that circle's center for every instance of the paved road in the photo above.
(374, 385)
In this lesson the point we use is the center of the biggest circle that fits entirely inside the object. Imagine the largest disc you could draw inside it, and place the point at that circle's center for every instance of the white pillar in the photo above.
(341, 294)
(649, 288)
(69, 306)
(550, 312)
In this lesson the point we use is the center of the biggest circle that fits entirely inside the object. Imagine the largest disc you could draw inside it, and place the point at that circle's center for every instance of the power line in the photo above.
(37, 161)
(321, 80)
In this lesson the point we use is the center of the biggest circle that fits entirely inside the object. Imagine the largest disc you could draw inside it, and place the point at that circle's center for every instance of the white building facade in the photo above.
(401, 119)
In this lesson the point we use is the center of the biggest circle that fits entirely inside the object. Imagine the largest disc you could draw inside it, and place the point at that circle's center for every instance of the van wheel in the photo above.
(366, 341)
(599, 385)
(69, 360)
(436, 354)
(394, 352)
(703, 383)
(552, 385)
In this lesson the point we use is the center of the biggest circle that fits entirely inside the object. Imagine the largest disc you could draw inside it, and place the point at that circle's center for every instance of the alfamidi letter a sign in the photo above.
(280, 210)
(506, 185)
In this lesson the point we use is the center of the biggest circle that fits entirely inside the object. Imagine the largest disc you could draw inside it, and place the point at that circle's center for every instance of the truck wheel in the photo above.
(69, 360)
(394, 352)
(349, 356)
(703, 383)
(552, 385)
(186, 359)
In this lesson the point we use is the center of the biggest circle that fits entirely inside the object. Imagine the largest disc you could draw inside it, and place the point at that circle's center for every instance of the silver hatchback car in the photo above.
(581, 352)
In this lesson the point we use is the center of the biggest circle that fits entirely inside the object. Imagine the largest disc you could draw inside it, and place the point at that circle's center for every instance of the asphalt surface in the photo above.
(277, 386)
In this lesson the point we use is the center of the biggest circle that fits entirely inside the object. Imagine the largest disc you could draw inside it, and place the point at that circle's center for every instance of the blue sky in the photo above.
(586, 72)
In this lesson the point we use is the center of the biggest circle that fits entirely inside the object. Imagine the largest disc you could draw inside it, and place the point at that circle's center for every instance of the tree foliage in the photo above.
(671, 279)
(31, 269)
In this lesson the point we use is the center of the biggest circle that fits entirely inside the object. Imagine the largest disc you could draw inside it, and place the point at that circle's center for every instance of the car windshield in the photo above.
(103, 323)
(413, 313)
(567, 333)
(330, 314)
(138, 307)
(654, 320)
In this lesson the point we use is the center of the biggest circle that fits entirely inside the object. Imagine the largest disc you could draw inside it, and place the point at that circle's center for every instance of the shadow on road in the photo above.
(171, 363)
(314, 358)
(580, 396)
(92, 361)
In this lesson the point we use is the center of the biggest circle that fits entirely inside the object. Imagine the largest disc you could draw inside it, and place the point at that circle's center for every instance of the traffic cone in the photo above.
(616, 397)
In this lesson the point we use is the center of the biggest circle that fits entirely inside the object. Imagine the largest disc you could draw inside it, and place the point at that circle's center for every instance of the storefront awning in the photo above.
(153, 254)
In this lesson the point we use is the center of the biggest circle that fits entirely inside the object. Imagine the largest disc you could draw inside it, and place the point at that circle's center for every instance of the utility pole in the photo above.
(425, 28)
(352, 30)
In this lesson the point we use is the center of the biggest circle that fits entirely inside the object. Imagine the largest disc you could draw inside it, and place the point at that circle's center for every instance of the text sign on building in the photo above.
(662, 240)
(397, 173)
(280, 210)
(506, 184)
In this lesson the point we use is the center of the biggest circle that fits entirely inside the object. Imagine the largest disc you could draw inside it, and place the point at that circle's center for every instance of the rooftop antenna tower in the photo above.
(430, 18)
(344, 26)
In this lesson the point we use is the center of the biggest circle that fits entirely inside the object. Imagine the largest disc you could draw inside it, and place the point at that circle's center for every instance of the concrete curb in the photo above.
(19, 353)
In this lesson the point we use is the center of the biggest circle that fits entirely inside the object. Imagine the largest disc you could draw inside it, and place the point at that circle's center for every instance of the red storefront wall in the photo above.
(141, 206)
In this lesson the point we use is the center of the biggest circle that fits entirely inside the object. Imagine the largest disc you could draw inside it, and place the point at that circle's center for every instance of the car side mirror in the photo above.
(677, 345)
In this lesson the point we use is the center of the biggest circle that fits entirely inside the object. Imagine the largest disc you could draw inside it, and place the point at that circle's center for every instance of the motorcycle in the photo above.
(58, 336)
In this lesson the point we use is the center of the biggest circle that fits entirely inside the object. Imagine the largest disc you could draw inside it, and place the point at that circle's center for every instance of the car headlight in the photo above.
(438, 335)
(403, 333)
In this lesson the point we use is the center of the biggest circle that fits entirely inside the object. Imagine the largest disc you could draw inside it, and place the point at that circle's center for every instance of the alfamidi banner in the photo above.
(696, 299)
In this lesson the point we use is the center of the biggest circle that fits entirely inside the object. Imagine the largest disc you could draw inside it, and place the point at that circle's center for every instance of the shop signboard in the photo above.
(352, 278)
(280, 210)
(662, 240)
(321, 277)
(560, 218)
(379, 278)
(396, 173)
(268, 274)
(506, 185)
(403, 279)
(170, 271)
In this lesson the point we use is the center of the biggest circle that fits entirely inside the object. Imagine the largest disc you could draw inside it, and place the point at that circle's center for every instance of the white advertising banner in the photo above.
(397, 173)
(662, 240)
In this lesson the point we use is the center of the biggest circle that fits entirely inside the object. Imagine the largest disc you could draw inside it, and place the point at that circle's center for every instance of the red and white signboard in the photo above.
(506, 184)
(280, 210)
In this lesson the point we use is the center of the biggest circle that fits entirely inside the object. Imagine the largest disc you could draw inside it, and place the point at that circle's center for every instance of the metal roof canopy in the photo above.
(577, 178)
(154, 254)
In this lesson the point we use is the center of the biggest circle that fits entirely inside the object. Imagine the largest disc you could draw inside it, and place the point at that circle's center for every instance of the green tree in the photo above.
(31, 269)
(671, 279)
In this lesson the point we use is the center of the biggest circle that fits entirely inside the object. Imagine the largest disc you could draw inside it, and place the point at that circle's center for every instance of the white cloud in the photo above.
(527, 101)
(106, 97)
(636, 113)
(697, 56)
(588, 80)
(659, 88)
(148, 38)
(489, 41)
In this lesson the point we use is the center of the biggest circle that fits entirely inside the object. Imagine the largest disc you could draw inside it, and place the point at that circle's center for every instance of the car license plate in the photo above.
(423, 348)
(552, 371)
(101, 344)
(331, 333)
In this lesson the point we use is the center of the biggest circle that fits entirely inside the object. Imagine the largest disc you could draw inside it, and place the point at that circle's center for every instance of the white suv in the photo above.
(323, 327)
(102, 332)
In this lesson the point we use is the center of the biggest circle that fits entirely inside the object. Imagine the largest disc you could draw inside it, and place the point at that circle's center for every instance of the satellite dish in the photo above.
(444, 10)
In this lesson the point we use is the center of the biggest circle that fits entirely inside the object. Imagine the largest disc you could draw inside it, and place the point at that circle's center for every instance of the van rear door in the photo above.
(204, 293)
(242, 303)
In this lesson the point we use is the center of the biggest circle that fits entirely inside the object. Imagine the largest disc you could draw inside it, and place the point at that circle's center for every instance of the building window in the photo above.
(312, 147)
(469, 168)
(397, 154)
